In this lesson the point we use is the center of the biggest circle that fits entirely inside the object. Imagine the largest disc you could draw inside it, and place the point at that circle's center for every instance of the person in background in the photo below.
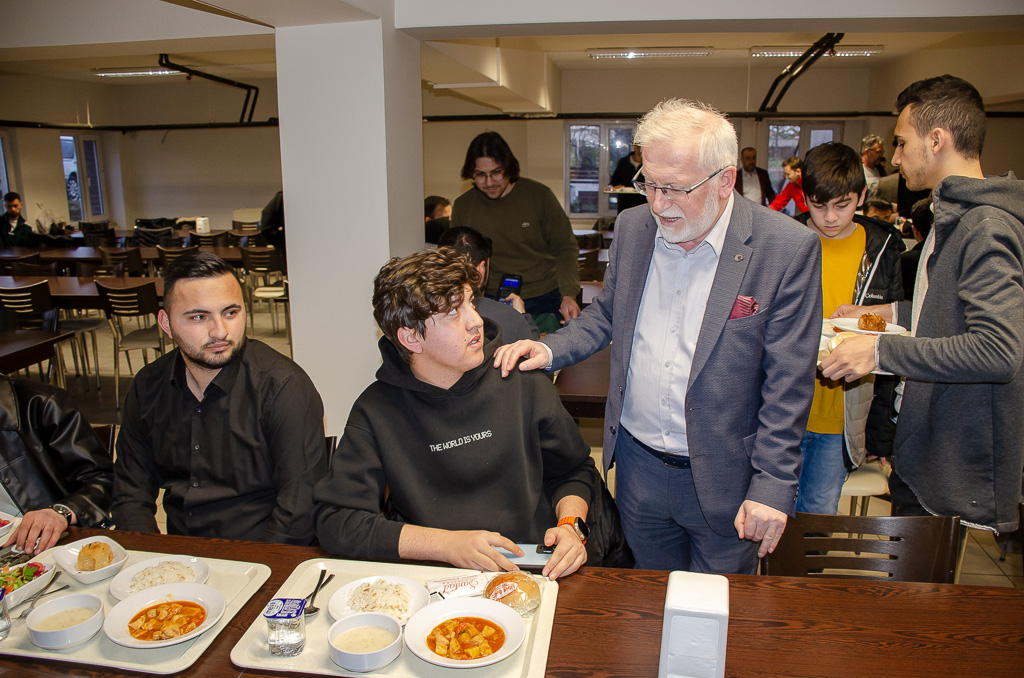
(509, 313)
(860, 259)
(872, 155)
(437, 213)
(792, 191)
(920, 226)
(877, 208)
(959, 445)
(444, 460)
(272, 223)
(14, 230)
(753, 182)
(56, 472)
(712, 306)
(625, 171)
(531, 233)
(229, 427)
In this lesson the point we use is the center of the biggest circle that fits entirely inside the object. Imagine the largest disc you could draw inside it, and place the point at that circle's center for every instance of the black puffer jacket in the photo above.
(50, 455)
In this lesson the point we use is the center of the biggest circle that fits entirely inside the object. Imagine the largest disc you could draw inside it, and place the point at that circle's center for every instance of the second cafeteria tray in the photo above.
(236, 580)
(529, 661)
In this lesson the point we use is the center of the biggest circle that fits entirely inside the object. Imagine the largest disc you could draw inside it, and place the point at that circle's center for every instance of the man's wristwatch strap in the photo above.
(578, 526)
(64, 511)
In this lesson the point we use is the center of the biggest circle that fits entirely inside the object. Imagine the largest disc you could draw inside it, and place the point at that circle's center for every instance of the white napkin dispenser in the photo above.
(202, 225)
(696, 626)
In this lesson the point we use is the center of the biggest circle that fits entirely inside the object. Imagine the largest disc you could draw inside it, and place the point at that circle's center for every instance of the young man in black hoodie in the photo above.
(468, 462)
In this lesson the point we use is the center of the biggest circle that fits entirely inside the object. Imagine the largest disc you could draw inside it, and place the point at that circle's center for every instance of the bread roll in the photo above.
(838, 339)
(872, 322)
(94, 556)
(518, 590)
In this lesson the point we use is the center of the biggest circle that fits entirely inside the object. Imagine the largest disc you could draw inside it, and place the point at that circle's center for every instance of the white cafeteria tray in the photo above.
(251, 651)
(236, 580)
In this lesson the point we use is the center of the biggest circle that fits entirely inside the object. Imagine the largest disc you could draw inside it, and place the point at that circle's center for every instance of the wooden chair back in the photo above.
(7, 263)
(903, 548)
(23, 268)
(29, 307)
(93, 226)
(214, 240)
(169, 254)
(101, 238)
(123, 260)
(150, 237)
(261, 260)
(138, 300)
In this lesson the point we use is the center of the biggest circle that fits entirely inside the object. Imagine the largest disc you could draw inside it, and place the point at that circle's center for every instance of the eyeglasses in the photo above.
(494, 174)
(673, 194)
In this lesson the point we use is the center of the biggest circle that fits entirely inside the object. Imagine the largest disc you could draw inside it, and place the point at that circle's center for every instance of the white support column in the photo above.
(344, 93)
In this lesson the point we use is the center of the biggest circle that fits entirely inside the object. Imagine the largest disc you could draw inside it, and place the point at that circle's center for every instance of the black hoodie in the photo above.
(488, 453)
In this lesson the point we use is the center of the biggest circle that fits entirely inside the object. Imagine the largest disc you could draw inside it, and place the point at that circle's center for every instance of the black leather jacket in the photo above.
(49, 454)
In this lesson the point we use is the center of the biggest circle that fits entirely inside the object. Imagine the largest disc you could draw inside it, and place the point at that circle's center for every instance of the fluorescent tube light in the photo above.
(133, 72)
(795, 51)
(650, 52)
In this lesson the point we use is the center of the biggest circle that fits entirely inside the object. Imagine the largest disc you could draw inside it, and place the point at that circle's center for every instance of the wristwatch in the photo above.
(64, 511)
(578, 525)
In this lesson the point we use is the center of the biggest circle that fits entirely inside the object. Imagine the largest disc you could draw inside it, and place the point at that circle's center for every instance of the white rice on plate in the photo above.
(381, 596)
(165, 572)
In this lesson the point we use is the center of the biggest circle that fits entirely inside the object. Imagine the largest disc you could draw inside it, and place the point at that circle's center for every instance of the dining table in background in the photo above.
(608, 622)
(92, 255)
(583, 387)
(20, 349)
(80, 293)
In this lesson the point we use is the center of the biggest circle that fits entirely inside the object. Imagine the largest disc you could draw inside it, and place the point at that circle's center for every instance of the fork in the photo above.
(312, 609)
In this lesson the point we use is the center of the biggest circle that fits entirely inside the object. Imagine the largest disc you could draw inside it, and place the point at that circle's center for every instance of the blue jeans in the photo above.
(663, 521)
(823, 473)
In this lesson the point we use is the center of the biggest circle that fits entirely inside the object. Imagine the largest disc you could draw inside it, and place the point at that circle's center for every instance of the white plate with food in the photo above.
(6, 523)
(164, 615)
(399, 597)
(478, 625)
(850, 325)
(168, 569)
(17, 590)
(91, 559)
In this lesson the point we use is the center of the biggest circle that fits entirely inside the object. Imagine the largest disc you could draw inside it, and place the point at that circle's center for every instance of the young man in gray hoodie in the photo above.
(959, 443)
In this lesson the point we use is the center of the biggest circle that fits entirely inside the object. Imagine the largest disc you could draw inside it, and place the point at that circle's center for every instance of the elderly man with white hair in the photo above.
(712, 306)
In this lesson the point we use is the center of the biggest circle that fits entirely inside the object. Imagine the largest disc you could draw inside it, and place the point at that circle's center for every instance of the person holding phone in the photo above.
(531, 233)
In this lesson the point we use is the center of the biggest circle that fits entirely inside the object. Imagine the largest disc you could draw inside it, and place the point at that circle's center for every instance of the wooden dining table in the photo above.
(23, 348)
(92, 255)
(583, 387)
(80, 293)
(608, 622)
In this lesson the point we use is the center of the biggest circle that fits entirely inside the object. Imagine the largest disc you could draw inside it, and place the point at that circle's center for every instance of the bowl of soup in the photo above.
(66, 621)
(365, 641)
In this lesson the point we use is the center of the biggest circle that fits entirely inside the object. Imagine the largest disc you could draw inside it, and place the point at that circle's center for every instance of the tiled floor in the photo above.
(981, 563)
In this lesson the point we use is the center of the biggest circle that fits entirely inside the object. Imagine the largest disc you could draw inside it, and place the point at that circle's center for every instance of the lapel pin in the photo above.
(739, 257)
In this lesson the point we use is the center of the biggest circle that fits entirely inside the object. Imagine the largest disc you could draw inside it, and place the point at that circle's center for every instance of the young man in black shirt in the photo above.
(230, 428)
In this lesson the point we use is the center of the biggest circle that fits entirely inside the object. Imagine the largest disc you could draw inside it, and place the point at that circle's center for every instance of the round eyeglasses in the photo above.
(678, 195)
(495, 175)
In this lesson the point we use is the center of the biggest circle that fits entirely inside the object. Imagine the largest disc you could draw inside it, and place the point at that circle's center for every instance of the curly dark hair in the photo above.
(408, 290)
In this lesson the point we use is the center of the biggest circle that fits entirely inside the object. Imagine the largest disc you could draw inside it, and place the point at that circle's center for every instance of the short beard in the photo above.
(223, 361)
(692, 230)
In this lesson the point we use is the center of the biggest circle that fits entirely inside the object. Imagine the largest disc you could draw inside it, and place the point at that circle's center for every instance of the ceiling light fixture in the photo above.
(650, 52)
(133, 72)
(792, 52)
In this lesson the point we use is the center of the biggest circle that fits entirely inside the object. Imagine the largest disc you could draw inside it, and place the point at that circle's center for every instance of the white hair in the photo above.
(676, 120)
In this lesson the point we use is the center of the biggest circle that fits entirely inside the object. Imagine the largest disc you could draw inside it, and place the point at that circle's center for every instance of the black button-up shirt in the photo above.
(241, 464)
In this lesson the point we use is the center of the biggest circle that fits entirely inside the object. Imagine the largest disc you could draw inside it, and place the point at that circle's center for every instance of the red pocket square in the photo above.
(743, 307)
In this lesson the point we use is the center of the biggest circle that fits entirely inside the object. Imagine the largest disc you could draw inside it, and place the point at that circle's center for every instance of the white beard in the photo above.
(690, 230)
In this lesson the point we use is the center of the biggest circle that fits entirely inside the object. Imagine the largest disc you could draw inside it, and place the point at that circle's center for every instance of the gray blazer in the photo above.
(752, 378)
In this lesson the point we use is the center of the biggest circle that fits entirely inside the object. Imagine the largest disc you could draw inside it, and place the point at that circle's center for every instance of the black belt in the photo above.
(673, 460)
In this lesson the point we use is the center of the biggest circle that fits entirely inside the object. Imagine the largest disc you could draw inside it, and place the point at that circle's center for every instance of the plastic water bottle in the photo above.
(286, 626)
(5, 616)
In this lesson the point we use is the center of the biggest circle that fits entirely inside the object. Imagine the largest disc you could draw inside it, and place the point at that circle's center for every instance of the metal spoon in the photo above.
(312, 609)
(37, 598)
